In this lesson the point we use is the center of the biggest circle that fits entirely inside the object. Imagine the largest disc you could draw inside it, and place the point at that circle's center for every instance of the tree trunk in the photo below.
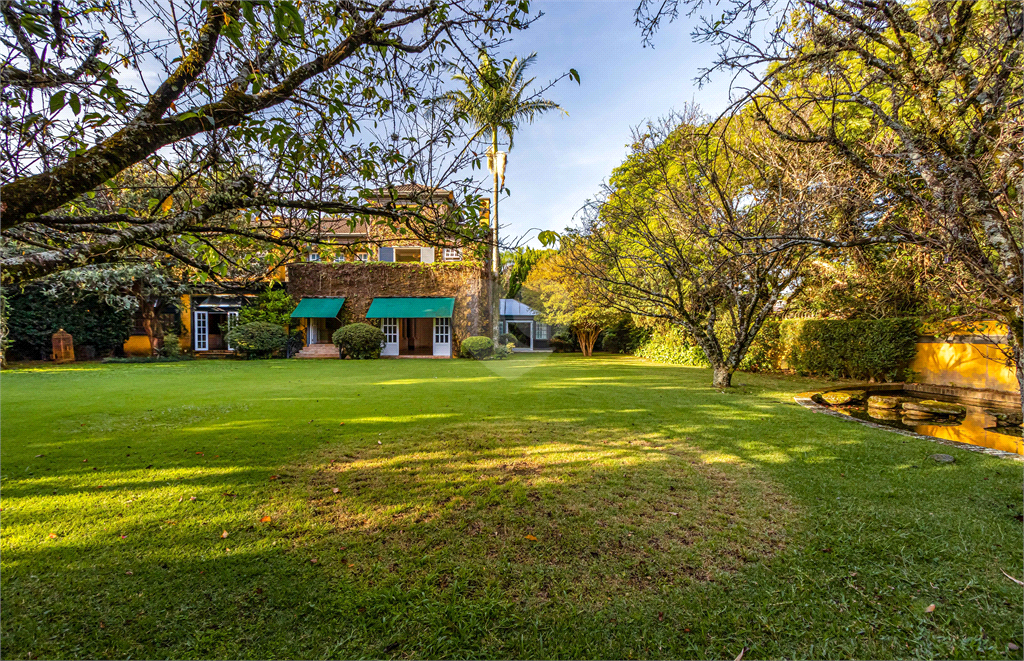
(722, 377)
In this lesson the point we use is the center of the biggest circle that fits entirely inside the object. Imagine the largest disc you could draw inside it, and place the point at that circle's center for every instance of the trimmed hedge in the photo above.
(879, 349)
(477, 347)
(361, 341)
(257, 339)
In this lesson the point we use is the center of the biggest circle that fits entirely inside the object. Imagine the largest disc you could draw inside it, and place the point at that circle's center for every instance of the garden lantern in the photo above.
(63, 347)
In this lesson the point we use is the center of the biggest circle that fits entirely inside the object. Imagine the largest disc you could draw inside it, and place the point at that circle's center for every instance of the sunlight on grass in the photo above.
(574, 507)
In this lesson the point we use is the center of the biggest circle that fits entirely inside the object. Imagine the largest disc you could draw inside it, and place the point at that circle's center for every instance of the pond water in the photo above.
(976, 428)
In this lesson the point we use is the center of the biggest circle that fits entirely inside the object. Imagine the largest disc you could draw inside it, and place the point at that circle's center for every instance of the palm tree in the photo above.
(496, 101)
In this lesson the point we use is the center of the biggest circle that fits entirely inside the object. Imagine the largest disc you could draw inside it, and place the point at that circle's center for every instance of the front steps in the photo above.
(318, 351)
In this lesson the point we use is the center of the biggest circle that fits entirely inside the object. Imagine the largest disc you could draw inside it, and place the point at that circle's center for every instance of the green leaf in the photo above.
(57, 101)
(548, 238)
(76, 105)
(574, 75)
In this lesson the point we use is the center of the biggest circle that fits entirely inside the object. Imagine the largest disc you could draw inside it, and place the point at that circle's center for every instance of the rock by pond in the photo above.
(883, 414)
(942, 458)
(885, 401)
(931, 422)
(1005, 418)
(840, 397)
(933, 407)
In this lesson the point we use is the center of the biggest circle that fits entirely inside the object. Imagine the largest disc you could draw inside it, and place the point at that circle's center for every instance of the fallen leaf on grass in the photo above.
(930, 608)
(53, 535)
(40, 455)
(1012, 647)
(102, 626)
(661, 617)
(313, 561)
(531, 538)
(335, 490)
(265, 519)
(200, 453)
(85, 461)
(129, 573)
(192, 498)
(224, 535)
(274, 477)
(742, 652)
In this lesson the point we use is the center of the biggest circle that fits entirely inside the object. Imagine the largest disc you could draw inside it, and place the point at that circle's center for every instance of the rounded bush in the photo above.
(257, 339)
(359, 341)
(477, 347)
(506, 338)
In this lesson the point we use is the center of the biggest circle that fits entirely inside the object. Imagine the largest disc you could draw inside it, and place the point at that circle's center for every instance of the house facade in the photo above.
(520, 321)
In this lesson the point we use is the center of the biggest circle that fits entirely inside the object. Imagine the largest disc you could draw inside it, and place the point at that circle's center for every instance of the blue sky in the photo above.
(559, 162)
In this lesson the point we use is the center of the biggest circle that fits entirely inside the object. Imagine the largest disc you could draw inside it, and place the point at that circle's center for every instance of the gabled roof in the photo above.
(513, 308)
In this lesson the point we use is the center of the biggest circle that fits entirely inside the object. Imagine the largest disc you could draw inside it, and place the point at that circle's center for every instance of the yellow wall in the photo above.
(964, 364)
(138, 345)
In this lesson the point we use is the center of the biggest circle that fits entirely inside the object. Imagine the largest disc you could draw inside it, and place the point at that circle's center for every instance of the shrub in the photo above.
(272, 306)
(506, 338)
(360, 341)
(624, 337)
(672, 345)
(477, 347)
(858, 349)
(171, 348)
(564, 342)
(257, 339)
(502, 351)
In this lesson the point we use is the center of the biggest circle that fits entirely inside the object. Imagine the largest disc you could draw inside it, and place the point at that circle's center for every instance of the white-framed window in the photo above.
(362, 257)
(339, 258)
(542, 331)
(313, 257)
(453, 254)
(442, 330)
(390, 327)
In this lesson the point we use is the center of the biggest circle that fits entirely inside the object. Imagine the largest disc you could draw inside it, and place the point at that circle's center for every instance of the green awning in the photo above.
(410, 308)
(318, 308)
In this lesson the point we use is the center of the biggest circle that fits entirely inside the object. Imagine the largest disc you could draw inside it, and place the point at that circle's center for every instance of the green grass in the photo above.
(544, 506)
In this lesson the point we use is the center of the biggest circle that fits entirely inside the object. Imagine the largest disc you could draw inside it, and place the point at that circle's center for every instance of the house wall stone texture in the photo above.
(360, 282)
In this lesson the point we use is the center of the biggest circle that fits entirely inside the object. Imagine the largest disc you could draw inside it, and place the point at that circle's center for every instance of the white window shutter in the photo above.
(387, 254)
(426, 255)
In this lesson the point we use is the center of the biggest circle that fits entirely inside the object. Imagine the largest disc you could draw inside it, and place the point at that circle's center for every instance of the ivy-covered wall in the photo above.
(360, 282)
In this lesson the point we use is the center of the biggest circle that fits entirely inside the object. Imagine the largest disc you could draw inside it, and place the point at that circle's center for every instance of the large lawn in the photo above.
(544, 506)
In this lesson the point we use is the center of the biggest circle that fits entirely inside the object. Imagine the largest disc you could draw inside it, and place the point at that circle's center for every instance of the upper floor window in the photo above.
(453, 254)
(408, 255)
(362, 257)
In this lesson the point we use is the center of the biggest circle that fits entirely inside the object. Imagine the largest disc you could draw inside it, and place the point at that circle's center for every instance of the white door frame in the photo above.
(390, 345)
(442, 336)
(508, 323)
(201, 329)
(232, 318)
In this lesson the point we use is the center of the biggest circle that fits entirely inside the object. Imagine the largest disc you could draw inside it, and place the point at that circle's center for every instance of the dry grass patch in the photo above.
(542, 509)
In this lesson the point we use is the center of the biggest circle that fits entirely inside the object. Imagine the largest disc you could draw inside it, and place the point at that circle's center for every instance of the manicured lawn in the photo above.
(545, 506)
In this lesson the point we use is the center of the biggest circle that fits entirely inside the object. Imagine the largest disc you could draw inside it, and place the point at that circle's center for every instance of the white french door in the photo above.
(232, 319)
(442, 336)
(202, 331)
(390, 327)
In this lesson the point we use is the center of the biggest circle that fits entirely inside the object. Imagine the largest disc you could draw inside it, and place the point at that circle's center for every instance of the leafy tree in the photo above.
(664, 241)
(566, 298)
(273, 306)
(496, 100)
(264, 119)
(517, 266)
(136, 288)
(924, 100)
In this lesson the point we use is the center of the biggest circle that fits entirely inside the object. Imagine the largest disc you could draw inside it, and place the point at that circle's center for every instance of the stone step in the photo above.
(318, 351)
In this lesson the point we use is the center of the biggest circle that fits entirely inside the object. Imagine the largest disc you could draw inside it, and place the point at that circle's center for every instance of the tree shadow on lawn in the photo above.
(657, 506)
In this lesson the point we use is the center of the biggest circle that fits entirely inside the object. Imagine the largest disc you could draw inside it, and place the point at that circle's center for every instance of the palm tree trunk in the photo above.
(495, 265)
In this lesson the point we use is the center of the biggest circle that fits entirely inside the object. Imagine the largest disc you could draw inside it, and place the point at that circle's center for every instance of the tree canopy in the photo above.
(245, 121)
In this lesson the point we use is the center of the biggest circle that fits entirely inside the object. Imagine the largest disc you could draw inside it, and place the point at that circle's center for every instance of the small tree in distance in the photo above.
(569, 299)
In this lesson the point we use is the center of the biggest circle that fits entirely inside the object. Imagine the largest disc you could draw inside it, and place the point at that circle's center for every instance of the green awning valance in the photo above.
(410, 308)
(318, 308)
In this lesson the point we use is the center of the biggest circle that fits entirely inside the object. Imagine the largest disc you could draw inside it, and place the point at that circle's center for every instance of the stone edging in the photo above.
(808, 403)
